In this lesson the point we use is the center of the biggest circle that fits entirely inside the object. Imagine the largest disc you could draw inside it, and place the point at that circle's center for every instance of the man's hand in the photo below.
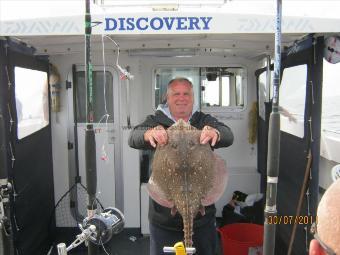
(156, 135)
(209, 134)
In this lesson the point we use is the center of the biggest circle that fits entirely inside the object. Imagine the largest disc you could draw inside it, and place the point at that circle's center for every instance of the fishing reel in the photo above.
(5, 190)
(97, 229)
(110, 221)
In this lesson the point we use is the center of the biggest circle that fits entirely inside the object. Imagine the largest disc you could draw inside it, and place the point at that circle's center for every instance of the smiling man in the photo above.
(180, 99)
(166, 229)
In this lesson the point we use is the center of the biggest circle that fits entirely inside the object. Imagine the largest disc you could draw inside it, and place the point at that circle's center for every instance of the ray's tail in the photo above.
(188, 229)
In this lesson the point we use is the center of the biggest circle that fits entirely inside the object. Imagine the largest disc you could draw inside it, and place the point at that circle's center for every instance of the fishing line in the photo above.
(125, 75)
(102, 244)
(104, 78)
(117, 45)
(106, 116)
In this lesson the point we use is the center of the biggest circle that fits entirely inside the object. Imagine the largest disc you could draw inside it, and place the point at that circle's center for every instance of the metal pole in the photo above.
(6, 245)
(90, 140)
(74, 175)
(128, 117)
(302, 193)
(268, 80)
(273, 144)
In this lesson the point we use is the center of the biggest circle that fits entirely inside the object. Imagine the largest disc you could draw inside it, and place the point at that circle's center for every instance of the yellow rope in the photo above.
(253, 123)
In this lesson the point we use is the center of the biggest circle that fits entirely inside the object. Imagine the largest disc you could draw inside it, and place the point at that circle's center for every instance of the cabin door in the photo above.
(26, 159)
(300, 111)
(106, 126)
(300, 101)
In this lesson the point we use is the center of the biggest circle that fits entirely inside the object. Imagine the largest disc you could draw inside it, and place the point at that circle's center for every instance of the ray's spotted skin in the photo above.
(186, 175)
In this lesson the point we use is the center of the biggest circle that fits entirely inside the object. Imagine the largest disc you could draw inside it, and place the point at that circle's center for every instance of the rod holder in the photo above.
(178, 249)
(62, 249)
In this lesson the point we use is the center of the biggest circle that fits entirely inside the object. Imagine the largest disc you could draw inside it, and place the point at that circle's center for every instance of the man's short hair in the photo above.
(328, 222)
(180, 79)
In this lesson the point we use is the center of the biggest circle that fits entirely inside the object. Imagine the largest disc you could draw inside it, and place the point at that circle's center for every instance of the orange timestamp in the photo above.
(291, 219)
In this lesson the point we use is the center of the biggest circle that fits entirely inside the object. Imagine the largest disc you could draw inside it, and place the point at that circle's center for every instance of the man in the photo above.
(327, 237)
(165, 229)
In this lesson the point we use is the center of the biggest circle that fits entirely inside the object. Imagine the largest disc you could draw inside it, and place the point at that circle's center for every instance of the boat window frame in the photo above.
(210, 109)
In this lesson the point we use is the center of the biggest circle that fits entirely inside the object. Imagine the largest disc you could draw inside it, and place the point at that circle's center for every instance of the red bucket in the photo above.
(242, 239)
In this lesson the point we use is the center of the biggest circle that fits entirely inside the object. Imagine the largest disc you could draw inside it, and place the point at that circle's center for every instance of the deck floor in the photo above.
(128, 242)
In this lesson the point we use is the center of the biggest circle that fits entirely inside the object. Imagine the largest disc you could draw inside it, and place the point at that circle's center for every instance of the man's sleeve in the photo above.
(136, 138)
(226, 135)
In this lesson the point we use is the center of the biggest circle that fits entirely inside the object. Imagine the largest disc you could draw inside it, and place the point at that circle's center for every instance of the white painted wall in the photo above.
(129, 160)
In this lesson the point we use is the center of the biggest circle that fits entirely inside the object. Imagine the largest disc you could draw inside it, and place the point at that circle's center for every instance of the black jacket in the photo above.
(158, 214)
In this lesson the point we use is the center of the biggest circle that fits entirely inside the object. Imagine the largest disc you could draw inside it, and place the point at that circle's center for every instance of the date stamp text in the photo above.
(291, 219)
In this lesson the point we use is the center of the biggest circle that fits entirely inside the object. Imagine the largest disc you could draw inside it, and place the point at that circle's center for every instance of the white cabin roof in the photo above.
(51, 17)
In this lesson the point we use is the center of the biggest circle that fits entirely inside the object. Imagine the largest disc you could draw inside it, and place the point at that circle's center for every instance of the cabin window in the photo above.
(98, 94)
(164, 75)
(265, 92)
(330, 99)
(31, 98)
(214, 87)
(292, 100)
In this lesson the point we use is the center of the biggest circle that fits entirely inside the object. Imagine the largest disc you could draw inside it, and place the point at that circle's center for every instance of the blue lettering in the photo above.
(121, 20)
(180, 23)
(130, 25)
(169, 22)
(153, 21)
(112, 22)
(138, 25)
(193, 22)
(206, 21)
(157, 23)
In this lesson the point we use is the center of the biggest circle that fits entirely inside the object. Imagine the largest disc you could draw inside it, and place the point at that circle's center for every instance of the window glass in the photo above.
(213, 86)
(331, 98)
(164, 75)
(292, 99)
(98, 96)
(222, 87)
(265, 91)
(216, 92)
(262, 94)
(330, 121)
(31, 98)
(239, 90)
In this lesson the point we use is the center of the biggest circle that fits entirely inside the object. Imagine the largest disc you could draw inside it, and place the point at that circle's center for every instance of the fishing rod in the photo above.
(5, 189)
(273, 144)
(90, 139)
(97, 228)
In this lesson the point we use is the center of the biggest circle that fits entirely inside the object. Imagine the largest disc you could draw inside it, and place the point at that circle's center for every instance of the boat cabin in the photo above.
(227, 50)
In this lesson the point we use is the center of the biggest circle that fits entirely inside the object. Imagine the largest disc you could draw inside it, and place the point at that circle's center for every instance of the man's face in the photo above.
(180, 100)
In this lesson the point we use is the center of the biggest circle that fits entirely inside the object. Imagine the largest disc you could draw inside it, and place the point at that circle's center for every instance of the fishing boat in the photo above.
(132, 49)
